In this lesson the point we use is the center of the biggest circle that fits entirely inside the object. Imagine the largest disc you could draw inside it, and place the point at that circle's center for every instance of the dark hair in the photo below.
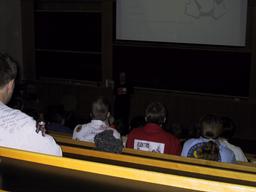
(155, 113)
(137, 121)
(229, 127)
(100, 109)
(55, 114)
(211, 126)
(8, 69)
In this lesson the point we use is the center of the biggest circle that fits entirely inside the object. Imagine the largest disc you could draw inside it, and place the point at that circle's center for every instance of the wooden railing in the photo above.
(241, 172)
(66, 140)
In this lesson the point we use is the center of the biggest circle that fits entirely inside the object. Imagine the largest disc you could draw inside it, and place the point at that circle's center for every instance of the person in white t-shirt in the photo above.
(99, 123)
(18, 130)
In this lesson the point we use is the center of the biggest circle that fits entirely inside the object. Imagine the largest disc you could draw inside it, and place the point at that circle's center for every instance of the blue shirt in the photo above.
(192, 146)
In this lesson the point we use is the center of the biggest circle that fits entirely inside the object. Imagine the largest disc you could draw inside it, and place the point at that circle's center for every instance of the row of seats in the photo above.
(97, 171)
(85, 168)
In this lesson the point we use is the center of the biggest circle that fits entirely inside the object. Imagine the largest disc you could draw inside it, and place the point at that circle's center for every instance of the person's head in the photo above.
(122, 78)
(8, 73)
(229, 127)
(100, 109)
(155, 113)
(56, 114)
(211, 126)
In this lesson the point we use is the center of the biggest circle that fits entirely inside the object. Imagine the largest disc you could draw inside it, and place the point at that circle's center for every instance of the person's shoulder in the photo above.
(172, 136)
(192, 141)
(230, 145)
(111, 128)
(6, 109)
(137, 130)
(227, 155)
(188, 144)
(51, 147)
(78, 129)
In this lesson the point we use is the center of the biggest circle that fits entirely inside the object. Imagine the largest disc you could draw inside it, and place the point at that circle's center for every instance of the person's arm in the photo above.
(241, 155)
(185, 148)
(29, 140)
(177, 149)
(130, 141)
(116, 134)
(41, 144)
(173, 146)
(77, 132)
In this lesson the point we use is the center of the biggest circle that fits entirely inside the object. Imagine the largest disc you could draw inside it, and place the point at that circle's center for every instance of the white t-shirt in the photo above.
(87, 132)
(239, 155)
(18, 130)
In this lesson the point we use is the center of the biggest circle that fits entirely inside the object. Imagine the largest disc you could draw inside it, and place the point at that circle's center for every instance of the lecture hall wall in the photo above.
(16, 38)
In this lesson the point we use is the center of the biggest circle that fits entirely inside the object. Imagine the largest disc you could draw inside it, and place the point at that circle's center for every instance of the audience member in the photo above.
(152, 137)
(207, 145)
(122, 92)
(56, 120)
(18, 130)
(229, 129)
(100, 115)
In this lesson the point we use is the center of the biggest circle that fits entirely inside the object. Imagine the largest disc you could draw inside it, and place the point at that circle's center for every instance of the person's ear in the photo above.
(108, 114)
(10, 86)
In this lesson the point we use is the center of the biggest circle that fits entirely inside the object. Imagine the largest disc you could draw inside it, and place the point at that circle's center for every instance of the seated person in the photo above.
(18, 130)
(152, 137)
(99, 123)
(56, 121)
(207, 146)
(229, 129)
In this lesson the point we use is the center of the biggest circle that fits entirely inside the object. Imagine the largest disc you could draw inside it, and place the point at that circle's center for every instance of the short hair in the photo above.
(100, 109)
(155, 113)
(8, 69)
(214, 123)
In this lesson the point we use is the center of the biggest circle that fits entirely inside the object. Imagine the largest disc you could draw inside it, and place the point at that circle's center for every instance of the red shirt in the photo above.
(152, 136)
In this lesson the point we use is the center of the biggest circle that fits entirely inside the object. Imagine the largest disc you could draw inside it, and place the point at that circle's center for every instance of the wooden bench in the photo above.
(66, 140)
(32, 171)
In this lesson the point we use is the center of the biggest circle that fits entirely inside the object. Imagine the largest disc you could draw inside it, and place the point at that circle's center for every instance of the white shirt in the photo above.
(226, 155)
(18, 130)
(239, 155)
(87, 132)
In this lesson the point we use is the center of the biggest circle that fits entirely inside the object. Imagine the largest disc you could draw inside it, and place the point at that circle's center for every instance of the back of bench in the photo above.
(59, 173)
(66, 140)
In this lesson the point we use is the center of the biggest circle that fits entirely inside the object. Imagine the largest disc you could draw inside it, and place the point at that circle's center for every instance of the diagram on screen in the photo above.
(206, 8)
